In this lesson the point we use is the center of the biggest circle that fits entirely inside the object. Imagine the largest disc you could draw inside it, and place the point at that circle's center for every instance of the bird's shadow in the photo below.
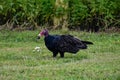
(67, 58)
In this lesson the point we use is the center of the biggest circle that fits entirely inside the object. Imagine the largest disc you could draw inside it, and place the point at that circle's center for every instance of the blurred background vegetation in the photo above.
(87, 15)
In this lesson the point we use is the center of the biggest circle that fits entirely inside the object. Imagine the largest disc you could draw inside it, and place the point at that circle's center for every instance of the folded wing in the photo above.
(68, 43)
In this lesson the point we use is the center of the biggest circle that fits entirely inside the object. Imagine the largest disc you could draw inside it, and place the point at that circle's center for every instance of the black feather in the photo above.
(87, 42)
(64, 43)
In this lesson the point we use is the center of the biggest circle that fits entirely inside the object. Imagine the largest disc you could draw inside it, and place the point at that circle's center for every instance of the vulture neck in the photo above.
(46, 35)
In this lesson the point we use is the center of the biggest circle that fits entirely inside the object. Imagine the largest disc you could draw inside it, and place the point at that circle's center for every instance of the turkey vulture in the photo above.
(62, 43)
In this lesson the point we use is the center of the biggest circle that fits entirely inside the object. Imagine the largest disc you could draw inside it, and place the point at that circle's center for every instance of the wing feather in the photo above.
(68, 43)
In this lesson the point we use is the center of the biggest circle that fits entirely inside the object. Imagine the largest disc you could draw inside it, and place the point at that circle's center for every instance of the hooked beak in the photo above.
(38, 37)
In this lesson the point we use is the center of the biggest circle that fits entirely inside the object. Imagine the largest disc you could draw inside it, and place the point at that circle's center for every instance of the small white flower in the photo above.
(38, 49)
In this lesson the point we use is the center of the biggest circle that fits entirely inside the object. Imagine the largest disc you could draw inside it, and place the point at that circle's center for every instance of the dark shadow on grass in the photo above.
(68, 58)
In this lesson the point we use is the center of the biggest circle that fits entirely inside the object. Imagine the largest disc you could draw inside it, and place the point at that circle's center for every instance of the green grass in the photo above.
(100, 61)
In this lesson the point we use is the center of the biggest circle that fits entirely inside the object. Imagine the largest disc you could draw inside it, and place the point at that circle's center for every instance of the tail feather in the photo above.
(87, 42)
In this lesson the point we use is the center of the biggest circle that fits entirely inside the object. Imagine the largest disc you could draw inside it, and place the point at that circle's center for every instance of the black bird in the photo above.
(62, 43)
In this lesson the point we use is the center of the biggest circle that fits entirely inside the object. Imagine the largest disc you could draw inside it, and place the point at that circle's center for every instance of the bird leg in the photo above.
(62, 54)
(55, 54)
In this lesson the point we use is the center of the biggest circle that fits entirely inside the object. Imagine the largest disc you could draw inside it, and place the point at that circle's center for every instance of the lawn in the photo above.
(18, 61)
